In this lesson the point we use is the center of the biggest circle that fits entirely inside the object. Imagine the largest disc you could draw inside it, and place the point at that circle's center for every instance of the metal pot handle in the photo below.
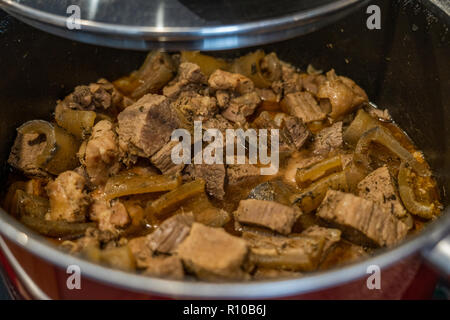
(439, 256)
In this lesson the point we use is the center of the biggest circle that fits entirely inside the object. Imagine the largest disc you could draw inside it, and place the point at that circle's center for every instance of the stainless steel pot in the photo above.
(403, 67)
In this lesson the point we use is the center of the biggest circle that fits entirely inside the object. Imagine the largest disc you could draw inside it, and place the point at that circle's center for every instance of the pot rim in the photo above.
(39, 246)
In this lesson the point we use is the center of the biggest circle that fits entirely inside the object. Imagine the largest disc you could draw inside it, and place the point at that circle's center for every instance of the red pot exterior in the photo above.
(407, 279)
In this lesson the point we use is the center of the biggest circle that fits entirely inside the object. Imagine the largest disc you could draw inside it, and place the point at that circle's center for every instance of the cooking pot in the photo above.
(404, 66)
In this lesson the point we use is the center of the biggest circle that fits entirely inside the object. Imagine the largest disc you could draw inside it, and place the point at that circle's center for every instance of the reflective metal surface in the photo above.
(180, 24)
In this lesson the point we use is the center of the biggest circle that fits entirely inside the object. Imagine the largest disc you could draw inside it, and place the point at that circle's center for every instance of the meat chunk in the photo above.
(102, 153)
(101, 95)
(189, 78)
(25, 152)
(242, 173)
(171, 233)
(140, 249)
(165, 267)
(295, 132)
(111, 217)
(241, 107)
(163, 159)
(304, 106)
(268, 214)
(300, 253)
(68, 199)
(214, 176)
(218, 122)
(358, 216)
(344, 94)
(328, 139)
(379, 187)
(194, 106)
(291, 80)
(146, 126)
(312, 82)
(235, 82)
(213, 254)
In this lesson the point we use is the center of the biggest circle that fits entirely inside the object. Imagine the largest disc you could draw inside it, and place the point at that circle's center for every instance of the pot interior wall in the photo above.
(403, 67)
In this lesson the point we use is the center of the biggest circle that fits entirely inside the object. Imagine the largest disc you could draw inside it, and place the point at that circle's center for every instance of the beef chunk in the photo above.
(267, 95)
(331, 236)
(241, 107)
(328, 139)
(311, 82)
(218, 122)
(189, 78)
(343, 93)
(213, 254)
(146, 126)
(171, 233)
(101, 95)
(352, 213)
(141, 251)
(304, 106)
(214, 176)
(102, 153)
(290, 82)
(242, 173)
(295, 132)
(268, 214)
(68, 199)
(25, 151)
(299, 253)
(163, 159)
(194, 106)
(111, 217)
(379, 187)
(235, 82)
(165, 267)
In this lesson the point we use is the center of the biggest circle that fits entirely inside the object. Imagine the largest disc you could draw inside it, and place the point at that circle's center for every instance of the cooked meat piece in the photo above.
(189, 78)
(241, 107)
(311, 82)
(343, 94)
(194, 106)
(242, 173)
(268, 214)
(379, 187)
(223, 80)
(165, 267)
(146, 126)
(343, 252)
(101, 95)
(213, 254)
(331, 236)
(295, 132)
(163, 159)
(214, 176)
(110, 216)
(140, 249)
(223, 98)
(273, 190)
(328, 139)
(102, 153)
(25, 151)
(304, 106)
(299, 253)
(266, 274)
(357, 216)
(68, 199)
(171, 233)
(213, 217)
(380, 114)
(291, 80)
(217, 122)
(267, 95)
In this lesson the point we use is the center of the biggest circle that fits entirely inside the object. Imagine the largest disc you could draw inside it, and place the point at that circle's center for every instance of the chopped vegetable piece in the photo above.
(172, 200)
(312, 196)
(362, 122)
(383, 137)
(250, 66)
(128, 184)
(56, 229)
(79, 123)
(310, 174)
(406, 190)
(30, 205)
(206, 63)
